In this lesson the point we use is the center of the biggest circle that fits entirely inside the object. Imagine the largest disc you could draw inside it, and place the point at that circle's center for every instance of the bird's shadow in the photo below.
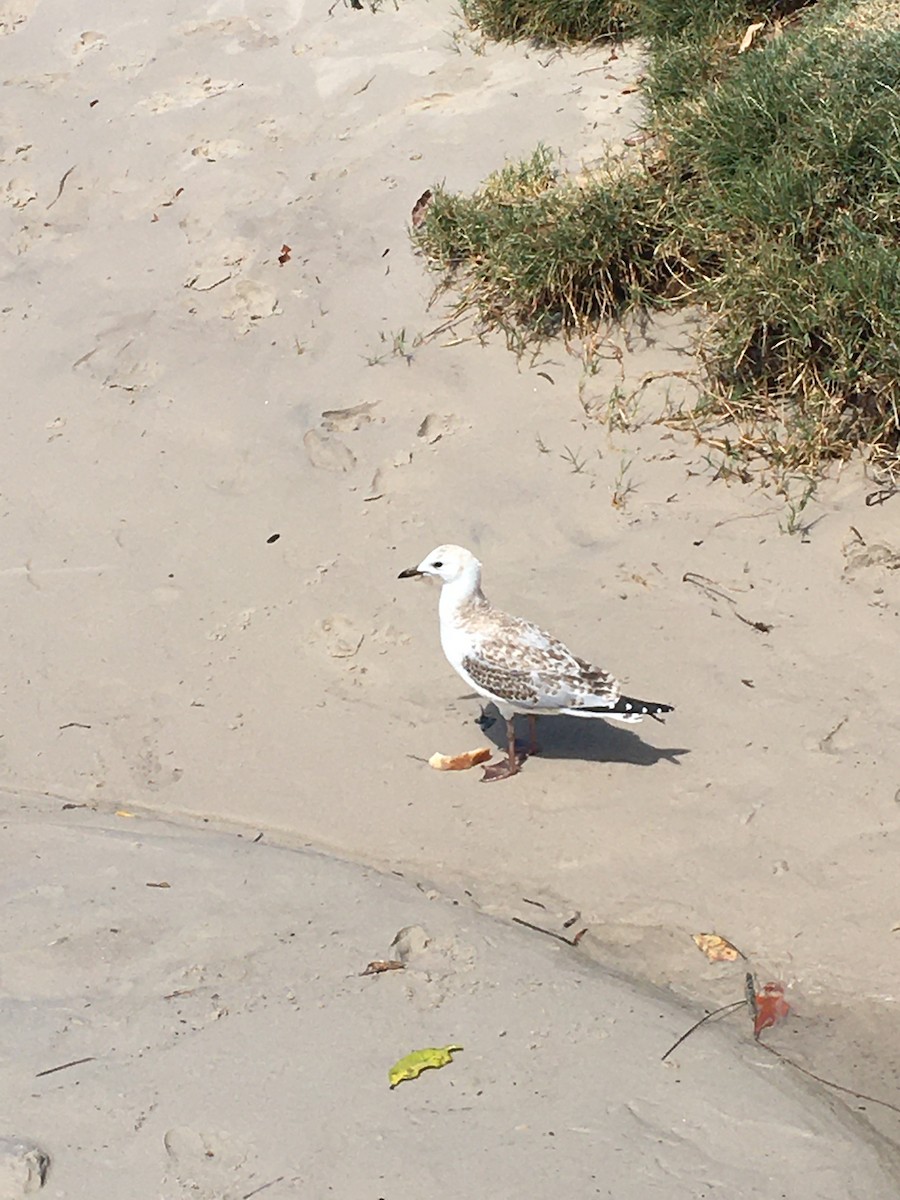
(580, 738)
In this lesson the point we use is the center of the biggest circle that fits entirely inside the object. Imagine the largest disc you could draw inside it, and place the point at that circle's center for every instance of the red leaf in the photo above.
(285, 255)
(771, 1007)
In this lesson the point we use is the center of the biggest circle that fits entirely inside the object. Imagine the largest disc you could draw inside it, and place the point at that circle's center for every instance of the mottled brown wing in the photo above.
(514, 686)
(524, 665)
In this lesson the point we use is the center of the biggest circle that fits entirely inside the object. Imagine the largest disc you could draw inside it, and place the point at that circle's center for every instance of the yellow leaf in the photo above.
(412, 1066)
(716, 948)
(120, 812)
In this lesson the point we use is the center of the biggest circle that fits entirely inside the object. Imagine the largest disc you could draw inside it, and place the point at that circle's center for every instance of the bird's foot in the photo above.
(503, 769)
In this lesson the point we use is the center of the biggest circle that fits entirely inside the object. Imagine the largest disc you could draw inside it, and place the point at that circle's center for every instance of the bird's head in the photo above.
(447, 563)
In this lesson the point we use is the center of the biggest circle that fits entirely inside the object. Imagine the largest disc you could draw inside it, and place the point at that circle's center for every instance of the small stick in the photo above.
(751, 1000)
(879, 497)
(709, 1016)
(62, 184)
(76, 1062)
(708, 586)
(442, 328)
(759, 626)
(838, 1087)
(767, 512)
(256, 1191)
(560, 937)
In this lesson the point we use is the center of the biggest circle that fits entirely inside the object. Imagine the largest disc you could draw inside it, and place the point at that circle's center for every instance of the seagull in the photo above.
(511, 662)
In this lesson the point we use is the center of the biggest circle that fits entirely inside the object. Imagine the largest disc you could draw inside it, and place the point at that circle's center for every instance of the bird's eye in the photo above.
(437, 564)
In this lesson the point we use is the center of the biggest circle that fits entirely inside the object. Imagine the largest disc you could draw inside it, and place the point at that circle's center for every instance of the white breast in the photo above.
(457, 644)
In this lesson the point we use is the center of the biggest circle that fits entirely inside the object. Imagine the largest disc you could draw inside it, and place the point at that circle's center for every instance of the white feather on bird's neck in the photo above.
(461, 594)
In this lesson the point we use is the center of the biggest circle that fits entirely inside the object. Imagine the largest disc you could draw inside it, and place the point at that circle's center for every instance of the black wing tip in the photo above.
(628, 706)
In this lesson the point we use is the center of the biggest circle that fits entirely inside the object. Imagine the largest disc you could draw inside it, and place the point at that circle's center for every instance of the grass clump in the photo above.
(534, 250)
(772, 198)
(553, 22)
(788, 172)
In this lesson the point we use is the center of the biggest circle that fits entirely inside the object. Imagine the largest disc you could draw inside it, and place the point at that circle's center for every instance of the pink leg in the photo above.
(533, 747)
(509, 767)
(511, 745)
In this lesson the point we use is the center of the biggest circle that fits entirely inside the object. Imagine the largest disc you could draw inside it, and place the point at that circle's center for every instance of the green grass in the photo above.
(771, 197)
(553, 22)
(530, 249)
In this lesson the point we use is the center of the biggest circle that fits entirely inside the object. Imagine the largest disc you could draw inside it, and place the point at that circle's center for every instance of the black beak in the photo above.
(409, 573)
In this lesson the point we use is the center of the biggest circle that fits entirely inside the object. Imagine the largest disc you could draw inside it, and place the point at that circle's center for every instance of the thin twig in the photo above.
(759, 626)
(443, 327)
(708, 586)
(560, 937)
(838, 1087)
(76, 1062)
(880, 496)
(262, 1188)
(767, 512)
(62, 184)
(709, 1016)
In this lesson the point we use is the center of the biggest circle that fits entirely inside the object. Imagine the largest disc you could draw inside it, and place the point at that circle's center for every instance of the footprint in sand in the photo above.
(23, 1168)
(380, 480)
(328, 453)
(387, 636)
(88, 41)
(218, 265)
(340, 636)
(246, 34)
(223, 148)
(149, 769)
(349, 420)
(19, 193)
(435, 426)
(250, 303)
(435, 970)
(208, 1166)
(14, 13)
(191, 93)
(119, 359)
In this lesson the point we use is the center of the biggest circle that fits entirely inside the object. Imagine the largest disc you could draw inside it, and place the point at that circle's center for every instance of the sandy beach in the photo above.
(215, 331)
(192, 1019)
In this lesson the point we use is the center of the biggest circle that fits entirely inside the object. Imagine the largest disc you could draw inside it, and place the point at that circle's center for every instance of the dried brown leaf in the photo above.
(716, 948)
(420, 208)
(379, 965)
